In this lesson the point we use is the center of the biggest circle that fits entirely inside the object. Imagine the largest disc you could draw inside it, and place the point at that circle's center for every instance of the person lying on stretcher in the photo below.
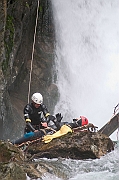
(81, 121)
(50, 132)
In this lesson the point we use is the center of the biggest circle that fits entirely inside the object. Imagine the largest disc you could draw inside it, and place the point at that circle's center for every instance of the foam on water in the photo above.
(105, 168)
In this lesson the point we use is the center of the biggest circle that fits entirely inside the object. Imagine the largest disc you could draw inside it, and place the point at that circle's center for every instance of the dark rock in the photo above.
(18, 18)
(12, 171)
(15, 163)
(78, 145)
(8, 152)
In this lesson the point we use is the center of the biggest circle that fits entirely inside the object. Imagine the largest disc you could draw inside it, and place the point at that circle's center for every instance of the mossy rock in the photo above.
(8, 152)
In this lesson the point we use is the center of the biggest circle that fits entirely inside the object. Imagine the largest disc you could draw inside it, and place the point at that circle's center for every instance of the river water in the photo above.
(87, 69)
(105, 168)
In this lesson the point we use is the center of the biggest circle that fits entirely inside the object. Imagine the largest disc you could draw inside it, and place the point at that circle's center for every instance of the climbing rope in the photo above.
(33, 52)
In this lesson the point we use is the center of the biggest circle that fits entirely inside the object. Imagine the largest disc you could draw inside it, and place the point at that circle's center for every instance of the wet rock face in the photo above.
(8, 152)
(79, 145)
(17, 36)
(12, 171)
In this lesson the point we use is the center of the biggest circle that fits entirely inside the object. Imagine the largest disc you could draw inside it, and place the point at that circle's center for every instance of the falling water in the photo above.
(87, 58)
(87, 53)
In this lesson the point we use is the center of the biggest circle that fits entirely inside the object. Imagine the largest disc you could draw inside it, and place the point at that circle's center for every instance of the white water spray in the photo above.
(87, 58)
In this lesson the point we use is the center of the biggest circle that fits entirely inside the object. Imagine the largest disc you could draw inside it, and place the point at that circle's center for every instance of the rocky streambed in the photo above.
(17, 163)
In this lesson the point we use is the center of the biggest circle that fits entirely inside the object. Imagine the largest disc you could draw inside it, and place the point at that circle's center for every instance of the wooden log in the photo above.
(110, 126)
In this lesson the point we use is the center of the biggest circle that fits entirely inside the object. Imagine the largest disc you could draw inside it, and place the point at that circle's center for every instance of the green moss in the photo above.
(8, 41)
(40, 8)
(5, 154)
(27, 5)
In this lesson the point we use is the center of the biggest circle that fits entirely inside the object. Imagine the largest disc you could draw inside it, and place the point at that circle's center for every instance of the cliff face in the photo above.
(17, 29)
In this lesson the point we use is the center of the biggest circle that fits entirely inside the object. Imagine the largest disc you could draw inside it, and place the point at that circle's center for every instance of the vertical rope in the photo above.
(118, 131)
(33, 52)
(117, 135)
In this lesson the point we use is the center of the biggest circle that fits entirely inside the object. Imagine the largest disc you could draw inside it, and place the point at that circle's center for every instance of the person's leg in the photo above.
(29, 137)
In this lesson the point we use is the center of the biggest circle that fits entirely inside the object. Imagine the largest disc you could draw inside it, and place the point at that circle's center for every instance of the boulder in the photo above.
(77, 145)
(13, 164)
(9, 153)
(17, 162)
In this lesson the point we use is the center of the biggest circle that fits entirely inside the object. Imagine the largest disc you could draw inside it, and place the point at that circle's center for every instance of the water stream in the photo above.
(87, 58)
(87, 67)
(105, 168)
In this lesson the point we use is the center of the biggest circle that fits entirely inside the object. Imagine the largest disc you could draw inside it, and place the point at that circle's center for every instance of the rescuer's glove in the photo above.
(50, 118)
(59, 117)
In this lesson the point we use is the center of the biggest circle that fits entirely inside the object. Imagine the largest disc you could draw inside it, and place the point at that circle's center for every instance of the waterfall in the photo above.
(87, 58)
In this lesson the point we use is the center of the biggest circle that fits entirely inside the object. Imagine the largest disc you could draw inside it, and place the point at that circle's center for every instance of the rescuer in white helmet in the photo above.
(36, 114)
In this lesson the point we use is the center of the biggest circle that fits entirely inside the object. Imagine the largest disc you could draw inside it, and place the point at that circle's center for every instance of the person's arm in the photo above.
(28, 124)
(46, 114)
(45, 111)
(27, 111)
(73, 125)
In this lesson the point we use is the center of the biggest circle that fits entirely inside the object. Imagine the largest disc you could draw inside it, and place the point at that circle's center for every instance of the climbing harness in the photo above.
(33, 52)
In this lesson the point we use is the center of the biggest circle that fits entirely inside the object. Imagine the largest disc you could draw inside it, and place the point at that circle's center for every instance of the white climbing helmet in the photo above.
(37, 98)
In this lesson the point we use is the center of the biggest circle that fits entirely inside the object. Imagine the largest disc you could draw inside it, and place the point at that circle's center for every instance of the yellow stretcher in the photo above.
(63, 130)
